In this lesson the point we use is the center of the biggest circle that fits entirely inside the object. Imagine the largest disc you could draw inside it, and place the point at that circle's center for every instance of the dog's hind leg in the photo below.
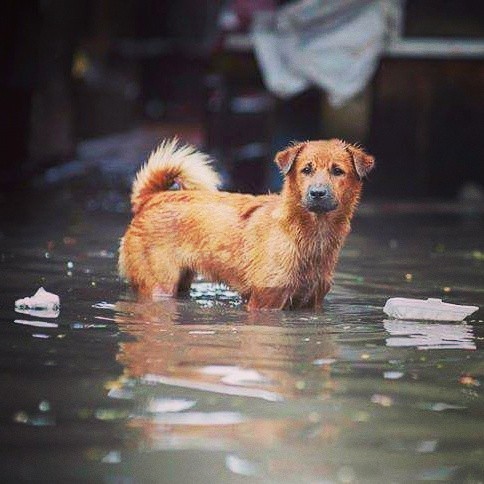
(185, 282)
(154, 288)
(158, 280)
(172, 282)
(161, 291)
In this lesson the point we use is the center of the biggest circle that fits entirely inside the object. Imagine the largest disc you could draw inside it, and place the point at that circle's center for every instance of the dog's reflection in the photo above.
(178, 339)
(203, 379)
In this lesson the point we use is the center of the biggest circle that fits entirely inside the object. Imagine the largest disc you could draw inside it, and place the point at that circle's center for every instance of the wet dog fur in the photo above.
(278, 251)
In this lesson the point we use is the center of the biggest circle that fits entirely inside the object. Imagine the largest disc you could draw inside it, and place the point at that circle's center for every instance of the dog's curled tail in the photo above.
(173, 166)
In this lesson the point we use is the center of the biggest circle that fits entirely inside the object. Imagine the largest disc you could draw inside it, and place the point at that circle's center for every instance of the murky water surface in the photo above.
(199, 390)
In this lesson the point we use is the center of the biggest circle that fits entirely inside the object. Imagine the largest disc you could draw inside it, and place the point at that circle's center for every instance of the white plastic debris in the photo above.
(431, 309)
(42, 303)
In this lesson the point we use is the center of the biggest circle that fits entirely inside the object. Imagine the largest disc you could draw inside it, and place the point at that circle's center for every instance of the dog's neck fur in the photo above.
(318, 236)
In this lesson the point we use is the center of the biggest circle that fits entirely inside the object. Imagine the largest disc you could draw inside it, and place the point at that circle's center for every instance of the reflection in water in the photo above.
(40, 313)
(253, 352)
(222, 385)
(37, 324)
(289, 397)
(429, 335)
(214, 388)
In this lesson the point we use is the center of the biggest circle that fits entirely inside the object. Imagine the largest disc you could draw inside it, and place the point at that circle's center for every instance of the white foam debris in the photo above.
(430, 309)
(42, 303)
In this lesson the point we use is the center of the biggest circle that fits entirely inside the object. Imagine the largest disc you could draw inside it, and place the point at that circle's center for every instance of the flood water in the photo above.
(199, 390)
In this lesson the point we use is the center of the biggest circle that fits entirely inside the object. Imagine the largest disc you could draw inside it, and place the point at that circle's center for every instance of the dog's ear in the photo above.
(286, 158)
(362, 161)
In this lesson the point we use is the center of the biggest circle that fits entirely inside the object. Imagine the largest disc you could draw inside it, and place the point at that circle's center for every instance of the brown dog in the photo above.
(278, 251)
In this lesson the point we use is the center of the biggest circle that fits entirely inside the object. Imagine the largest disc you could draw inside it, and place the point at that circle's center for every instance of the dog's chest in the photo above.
(314, 258)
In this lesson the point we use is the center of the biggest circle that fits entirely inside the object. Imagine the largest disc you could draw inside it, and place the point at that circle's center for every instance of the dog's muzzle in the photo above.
(320, 199)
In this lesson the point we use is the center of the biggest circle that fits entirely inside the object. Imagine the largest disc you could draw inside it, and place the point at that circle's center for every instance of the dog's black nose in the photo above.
(317, 192)
(320, 199)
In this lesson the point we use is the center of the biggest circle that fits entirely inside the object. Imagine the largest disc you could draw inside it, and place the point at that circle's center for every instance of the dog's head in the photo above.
(324, 175)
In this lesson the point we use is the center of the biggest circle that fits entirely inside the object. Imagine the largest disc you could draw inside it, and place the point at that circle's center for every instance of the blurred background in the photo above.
(92, 86)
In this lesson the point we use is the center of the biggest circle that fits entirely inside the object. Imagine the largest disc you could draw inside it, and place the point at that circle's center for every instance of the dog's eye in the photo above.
(337, 171)
(308, 169)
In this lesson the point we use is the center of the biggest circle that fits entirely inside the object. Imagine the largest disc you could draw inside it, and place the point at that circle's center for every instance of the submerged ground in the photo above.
(198, 390)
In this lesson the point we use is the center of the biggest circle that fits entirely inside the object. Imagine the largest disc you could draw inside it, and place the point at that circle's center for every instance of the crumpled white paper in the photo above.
(42, 303)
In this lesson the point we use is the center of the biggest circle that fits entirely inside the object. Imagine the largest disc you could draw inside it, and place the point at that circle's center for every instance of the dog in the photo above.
(278, 251)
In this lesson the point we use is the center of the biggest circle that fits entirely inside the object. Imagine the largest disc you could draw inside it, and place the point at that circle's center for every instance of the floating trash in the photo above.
(42, 303)
(430, 309)
(40, 300)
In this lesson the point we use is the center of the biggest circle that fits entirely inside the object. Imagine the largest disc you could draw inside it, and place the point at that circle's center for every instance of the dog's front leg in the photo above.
(316, 299)
(321, 291)
(268, 298)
